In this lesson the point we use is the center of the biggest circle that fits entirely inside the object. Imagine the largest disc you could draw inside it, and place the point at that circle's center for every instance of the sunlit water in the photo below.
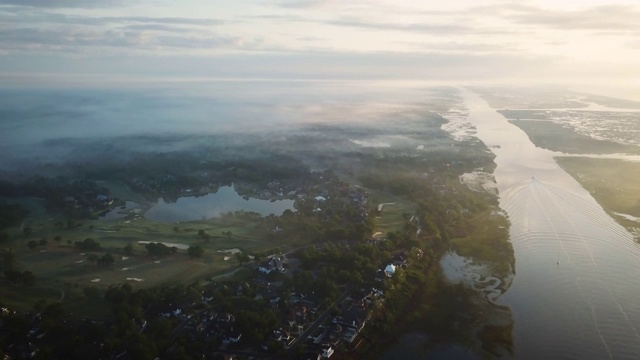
(576, 293)
(226, 199)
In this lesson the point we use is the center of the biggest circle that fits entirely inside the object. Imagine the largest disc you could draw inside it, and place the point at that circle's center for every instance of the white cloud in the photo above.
(64, 3)
(318, 38)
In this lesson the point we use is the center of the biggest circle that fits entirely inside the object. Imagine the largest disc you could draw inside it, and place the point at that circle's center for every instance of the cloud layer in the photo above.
(401, 39)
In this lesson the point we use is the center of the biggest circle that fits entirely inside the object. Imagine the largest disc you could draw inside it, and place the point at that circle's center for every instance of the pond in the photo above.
(226, 199)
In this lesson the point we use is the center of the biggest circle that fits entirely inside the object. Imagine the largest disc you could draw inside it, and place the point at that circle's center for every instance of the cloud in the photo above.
(443, 26)
(412, 27)
(464, 47)
(43, 18)
(304, 4)
(75, 40)
(64, 3)
(33, 30)
(301, 65)
(596, 18)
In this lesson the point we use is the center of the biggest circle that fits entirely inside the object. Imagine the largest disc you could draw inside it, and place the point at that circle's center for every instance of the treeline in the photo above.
(75, 198)
(11, 215)
(167, 175)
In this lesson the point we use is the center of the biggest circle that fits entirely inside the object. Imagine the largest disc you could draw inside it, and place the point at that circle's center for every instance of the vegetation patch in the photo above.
(613, 183)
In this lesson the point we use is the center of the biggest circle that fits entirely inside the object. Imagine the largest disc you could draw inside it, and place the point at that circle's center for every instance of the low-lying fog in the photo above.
(49, 125)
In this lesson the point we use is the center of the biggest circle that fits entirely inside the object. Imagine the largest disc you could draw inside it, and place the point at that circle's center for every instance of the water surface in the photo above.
(226, 199)
(576, 293)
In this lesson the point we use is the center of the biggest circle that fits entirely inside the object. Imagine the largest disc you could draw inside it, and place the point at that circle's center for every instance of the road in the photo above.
(319, 321)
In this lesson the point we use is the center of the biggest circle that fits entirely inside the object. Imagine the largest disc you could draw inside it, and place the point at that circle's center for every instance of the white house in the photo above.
(390, 270)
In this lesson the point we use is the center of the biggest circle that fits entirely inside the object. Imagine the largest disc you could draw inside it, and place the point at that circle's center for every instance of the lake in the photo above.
(226, 199)
(576, 293)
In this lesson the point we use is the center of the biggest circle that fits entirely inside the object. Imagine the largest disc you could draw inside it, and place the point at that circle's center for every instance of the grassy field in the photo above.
(391, 217)
(554, 136)
(613, 183)
(60, 267)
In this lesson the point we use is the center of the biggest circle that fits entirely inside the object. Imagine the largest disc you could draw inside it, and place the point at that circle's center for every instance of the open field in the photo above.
(613, 183)
(60, 267)
(392, 217)
(557, 137)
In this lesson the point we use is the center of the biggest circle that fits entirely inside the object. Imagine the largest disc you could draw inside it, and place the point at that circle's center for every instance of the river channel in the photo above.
(576, 292)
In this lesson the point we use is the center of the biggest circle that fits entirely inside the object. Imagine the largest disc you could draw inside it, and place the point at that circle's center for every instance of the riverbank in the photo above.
(613, 183)
(569, 297)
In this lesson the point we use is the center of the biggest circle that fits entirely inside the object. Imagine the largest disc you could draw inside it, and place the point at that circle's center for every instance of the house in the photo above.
(225, 318)
(325, 353)
(355, 318)
(390, 270)
(231, 336)
(275, 263)
(104, 200)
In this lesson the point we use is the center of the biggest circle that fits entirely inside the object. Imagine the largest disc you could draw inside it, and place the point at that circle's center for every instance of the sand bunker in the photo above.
(230, 251)
(179, 246)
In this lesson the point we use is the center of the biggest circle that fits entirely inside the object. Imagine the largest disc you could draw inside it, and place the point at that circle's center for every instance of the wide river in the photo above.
(576, 293)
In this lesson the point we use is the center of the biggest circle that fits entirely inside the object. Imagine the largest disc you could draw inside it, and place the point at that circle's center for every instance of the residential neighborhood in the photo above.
(307, 325)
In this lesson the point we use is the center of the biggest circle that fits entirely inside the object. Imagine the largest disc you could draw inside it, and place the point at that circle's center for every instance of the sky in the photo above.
(588, 42)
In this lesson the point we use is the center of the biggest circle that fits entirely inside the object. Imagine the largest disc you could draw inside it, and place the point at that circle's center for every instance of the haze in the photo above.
(590, 44)
(379, 179)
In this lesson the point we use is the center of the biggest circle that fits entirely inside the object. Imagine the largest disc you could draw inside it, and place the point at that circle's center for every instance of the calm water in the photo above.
(211, 205)
(576, 293)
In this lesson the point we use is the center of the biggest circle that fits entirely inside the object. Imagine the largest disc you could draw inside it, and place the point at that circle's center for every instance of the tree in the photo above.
(8, 258)
(91, 292)
(43, 242)
(57, 239)
(195, 251)
(106, 260)
(157, 249)
(28, 278)
(27, 231)
(11, 214)
(128, 249)
(32, 244)
(88, 244)
(13, 275)
(242, 258)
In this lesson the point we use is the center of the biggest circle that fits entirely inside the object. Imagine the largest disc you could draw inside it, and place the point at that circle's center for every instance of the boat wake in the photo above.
(579, 259)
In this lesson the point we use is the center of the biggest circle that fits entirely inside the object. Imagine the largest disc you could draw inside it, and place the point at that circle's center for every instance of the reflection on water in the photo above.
(417, 346)
(122, 212)
(226, 199)
(459, 269)
(576, 294)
